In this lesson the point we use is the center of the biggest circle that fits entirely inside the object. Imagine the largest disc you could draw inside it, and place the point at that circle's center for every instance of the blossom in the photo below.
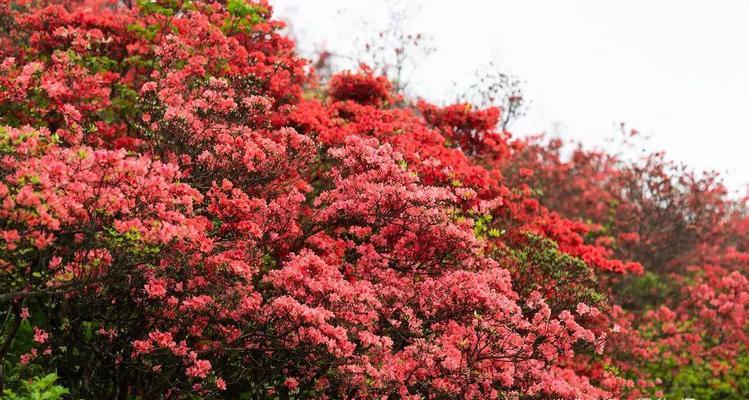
(155, 288)
(40, 336)
(183, 195)
(148, 87)
(199, 369)
(291, 383)
(142, 346)
(162, 339)
(26, 358)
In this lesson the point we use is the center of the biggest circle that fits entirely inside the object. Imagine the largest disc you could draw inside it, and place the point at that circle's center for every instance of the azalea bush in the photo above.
(683, 321)
(187, 213)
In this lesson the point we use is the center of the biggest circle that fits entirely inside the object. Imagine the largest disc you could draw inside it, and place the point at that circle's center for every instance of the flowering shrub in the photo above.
(362, 87)
(685, 316)
(180, 219)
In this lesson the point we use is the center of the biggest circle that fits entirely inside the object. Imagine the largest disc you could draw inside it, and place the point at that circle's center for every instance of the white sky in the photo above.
(678, 71)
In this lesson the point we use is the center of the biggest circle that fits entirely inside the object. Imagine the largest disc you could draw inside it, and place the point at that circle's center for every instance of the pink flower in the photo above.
(40, 336)
(148, 87)
(200, 369)
(27, 357)
(162, 339)
(25, 313)
(11, 237)
(72, 115)
(155, 288)
(142, 346)
(220, 384)
(291, 383)
(197, 303)
(55, 263)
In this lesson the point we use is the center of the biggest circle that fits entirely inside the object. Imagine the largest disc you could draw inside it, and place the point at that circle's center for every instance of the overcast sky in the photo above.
(677, 70)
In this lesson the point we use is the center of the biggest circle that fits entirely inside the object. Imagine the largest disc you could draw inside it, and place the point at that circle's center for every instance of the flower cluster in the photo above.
(179, 218)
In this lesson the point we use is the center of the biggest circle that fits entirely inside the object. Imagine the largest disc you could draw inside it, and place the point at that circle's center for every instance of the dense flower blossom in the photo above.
(182, 218)
(362, 87)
